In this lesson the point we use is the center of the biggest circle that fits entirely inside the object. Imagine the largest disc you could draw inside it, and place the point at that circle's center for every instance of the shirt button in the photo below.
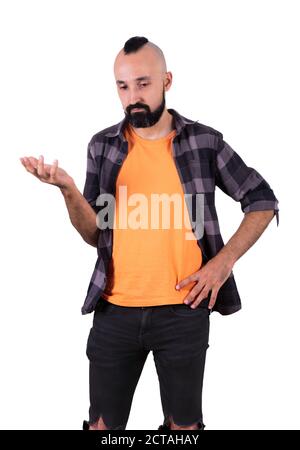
(119, 161)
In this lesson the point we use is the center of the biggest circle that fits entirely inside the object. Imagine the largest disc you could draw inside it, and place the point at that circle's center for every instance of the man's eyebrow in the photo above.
(144, 78)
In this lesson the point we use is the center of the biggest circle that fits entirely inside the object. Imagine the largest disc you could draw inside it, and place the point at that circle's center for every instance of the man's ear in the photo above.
(168, 80)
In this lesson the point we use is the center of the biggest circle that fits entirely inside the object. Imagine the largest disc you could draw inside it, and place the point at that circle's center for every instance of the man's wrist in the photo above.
(68, 187)
(226, 256)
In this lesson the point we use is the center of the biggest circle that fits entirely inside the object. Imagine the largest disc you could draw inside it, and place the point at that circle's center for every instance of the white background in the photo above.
(235, 67)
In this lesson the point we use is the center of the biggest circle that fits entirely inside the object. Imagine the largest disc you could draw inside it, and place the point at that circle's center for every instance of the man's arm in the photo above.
(245, 185)
(81, 213)
(241, 182)
(82, 208)
(216, 271)
(252, 226)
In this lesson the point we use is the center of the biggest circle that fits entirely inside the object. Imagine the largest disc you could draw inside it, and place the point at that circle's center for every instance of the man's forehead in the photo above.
(132, 69)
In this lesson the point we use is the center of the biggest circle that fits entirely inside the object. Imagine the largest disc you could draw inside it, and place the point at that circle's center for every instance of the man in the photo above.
(153, 287)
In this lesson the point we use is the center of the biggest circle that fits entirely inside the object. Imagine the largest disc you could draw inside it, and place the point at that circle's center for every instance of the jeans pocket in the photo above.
(105, 307)
(184, 310)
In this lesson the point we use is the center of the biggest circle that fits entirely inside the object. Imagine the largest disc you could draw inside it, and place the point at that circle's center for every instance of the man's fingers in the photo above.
(203, 294)
(40, 166)
(193, 293)
(213, 298)
(185, 281)
(28, 165)
(53, 170)
(44, 172)
(33, 161)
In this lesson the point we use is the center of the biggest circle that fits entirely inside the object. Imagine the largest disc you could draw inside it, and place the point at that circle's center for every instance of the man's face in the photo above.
(141, 84)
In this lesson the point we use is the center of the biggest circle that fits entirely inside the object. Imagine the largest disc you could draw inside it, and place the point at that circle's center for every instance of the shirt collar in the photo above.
(179, 121)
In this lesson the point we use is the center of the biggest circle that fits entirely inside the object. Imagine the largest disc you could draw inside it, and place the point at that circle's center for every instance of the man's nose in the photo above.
(134, 97)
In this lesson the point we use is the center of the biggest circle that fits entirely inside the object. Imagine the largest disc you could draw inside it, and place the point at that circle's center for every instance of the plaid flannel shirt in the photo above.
(203, 160)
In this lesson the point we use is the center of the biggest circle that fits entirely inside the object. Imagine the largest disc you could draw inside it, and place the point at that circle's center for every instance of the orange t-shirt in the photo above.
(147, 261)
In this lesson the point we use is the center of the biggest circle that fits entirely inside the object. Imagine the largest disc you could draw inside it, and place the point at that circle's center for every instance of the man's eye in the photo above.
(142, 84)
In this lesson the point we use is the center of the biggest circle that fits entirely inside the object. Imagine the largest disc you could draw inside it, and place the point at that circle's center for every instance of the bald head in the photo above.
(138, 51)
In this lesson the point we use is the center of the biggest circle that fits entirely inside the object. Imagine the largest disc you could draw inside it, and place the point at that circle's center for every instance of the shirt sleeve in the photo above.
(241, 182)
(91, 188)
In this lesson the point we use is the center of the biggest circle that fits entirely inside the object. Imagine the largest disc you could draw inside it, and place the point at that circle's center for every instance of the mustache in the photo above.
(137, 107)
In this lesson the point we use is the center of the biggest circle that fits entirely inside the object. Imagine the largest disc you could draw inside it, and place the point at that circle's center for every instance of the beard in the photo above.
(145, 118)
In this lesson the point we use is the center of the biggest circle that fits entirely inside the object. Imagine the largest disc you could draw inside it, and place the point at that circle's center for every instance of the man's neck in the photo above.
(162, 128)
